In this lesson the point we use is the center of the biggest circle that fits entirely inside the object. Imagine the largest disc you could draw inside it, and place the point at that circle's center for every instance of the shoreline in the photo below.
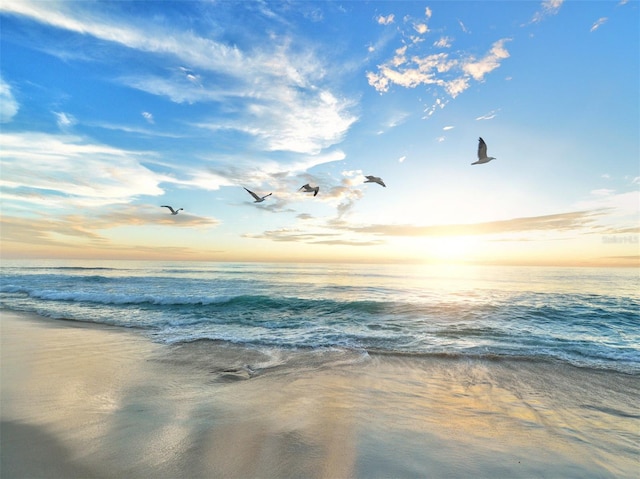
(92, 400)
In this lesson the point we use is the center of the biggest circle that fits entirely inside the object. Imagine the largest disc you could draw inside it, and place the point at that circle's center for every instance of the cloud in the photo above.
(73, 171)
(316, 238)
(382, 20)
(478, 69)
(488, 116)
(449, 127)
(598, 23)
(549, 7)
(64, 120)
(402, 158)
(557, 222)
(272, 88)
(427, 12)
(443, 42)
(8, 105)
(148, 116)
(421, 28)
(443, 70)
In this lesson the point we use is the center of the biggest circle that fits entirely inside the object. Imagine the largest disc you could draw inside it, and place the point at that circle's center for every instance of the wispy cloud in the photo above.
(488, 116)
(74, 171)
(443, 42)
(557, 222)
(548, 8)
(273, 87)
(8, 104)
(148, 116)
(598, 23)
(64, 120)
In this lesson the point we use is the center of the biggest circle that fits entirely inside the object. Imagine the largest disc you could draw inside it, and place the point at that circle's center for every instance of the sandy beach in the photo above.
(82, 400)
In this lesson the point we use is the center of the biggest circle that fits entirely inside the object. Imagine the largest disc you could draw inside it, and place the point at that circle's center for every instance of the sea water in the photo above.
(585, 317)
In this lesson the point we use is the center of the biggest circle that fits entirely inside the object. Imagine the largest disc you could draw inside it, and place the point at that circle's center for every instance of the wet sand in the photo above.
(81, 400)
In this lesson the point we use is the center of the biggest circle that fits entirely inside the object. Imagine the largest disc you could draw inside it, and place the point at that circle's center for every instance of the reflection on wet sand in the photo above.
(121, 406)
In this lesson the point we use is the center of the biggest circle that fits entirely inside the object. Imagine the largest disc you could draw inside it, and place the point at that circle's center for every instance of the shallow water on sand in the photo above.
(118, 405)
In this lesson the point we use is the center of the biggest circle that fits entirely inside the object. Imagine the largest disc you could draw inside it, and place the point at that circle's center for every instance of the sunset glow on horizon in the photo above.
(110, 110)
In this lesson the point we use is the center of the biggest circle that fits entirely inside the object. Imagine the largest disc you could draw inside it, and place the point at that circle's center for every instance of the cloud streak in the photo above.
(73, 171)
(8, 105)
(557, 222)
(272, 87)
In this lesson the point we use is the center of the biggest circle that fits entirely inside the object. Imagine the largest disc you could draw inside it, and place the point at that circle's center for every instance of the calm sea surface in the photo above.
(585, 317)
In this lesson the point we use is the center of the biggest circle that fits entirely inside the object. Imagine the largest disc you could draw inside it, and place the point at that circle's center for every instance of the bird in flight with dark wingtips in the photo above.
(375, 179)
(258, 199)
(173, 212)
(310, 189)
(482, 153)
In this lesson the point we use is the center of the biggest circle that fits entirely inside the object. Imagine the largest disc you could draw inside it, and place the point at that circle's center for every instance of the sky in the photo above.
(110, 110)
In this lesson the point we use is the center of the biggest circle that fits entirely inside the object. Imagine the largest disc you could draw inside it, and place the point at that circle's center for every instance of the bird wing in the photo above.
(305, 187)
(482, 149)
(252, 194)
(166, 206)
(317, 188)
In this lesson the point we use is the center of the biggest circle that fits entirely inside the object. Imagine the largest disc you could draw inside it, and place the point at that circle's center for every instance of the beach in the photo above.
(86, 400)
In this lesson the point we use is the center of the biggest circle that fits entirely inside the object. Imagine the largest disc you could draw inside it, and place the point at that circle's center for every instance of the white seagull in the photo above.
(308, 189)
(258, 199)
(173, 212)
(482, 153)
(375, 179)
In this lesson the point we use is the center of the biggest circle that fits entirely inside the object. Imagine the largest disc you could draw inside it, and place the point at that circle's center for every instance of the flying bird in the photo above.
(258, 199)
(173, 212)
(482, 153)
(375, 179)
(308, 189)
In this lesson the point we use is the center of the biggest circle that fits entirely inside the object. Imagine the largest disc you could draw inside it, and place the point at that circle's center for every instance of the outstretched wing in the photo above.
(253, 194)
(482, 149)
(167, 206)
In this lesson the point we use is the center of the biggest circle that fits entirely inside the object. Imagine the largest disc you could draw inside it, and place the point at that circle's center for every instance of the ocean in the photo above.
(585, 317)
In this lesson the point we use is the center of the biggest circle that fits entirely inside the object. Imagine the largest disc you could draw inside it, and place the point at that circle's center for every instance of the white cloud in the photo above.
(549, 7)
(443, 42)
(443, 70)
(488, 116)
(73, 171)
(279, 93)
(402, 158)
(382, 20)
(478, 69)
(427, 12)
(148, 116)
(8, 104)
(421, 28)
(598, 23)
(64, 120)
(447, 128)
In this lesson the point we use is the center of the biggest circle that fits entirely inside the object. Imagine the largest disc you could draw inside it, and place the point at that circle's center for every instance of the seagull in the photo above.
(309, 189)
(173, 212)
(258, 199)
(482, 153)
(375, 179)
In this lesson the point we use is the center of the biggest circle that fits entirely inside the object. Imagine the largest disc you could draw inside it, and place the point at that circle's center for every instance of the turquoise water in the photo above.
(582, 316)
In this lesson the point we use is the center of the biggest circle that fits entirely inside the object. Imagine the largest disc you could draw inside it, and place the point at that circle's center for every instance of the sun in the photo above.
(453, 249)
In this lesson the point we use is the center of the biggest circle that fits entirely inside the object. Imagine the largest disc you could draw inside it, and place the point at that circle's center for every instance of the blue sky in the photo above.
(112, 109)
